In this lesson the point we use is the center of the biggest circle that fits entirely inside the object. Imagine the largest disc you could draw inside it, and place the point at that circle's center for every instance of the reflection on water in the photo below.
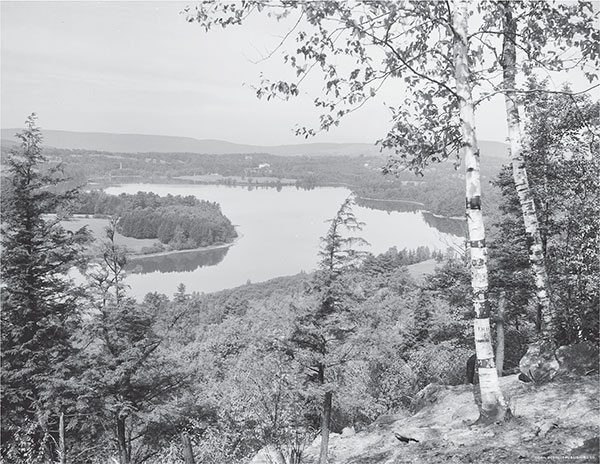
(452, 226)
(445, 225)
(399, 206)
(186, 261)
(279, 235)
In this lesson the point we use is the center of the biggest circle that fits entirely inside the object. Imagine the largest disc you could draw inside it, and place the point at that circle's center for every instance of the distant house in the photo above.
(261, 170)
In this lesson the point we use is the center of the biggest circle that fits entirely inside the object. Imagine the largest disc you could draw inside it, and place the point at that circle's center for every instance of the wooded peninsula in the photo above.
(178, 222)
(487, 353)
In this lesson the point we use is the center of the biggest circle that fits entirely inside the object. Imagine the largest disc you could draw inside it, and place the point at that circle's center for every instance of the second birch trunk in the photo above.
(532, 230)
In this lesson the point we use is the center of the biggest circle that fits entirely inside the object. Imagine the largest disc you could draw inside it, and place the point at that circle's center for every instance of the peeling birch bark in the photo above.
(534, 241)
(493, 405)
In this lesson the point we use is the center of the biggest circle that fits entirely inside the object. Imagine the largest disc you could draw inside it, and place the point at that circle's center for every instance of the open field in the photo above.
(418, 271)
(97, 227)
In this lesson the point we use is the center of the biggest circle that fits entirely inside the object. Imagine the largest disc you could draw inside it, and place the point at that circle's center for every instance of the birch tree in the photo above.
(493, 405)
(513, 119)
(526, 37)
(565, 181)
(426, 49)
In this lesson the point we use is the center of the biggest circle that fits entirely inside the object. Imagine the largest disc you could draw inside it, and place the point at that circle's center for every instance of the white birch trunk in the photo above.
(493, 405)
(534, 242)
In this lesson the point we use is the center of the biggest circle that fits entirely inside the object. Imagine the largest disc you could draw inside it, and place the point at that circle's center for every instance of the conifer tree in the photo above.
(127, 375)
(40, 309)
(322, 330)
(444, 65)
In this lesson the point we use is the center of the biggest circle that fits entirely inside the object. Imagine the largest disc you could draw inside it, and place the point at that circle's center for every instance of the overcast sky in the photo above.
(139, 67)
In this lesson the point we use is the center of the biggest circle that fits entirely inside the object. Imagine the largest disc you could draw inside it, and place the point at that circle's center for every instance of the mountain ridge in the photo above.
(142, 143)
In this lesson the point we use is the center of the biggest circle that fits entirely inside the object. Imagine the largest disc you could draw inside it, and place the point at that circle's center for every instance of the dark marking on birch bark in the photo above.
(486, 363)
(530, 240)
(481, 306)
(477, 243)
(482, 309)
(474, 202)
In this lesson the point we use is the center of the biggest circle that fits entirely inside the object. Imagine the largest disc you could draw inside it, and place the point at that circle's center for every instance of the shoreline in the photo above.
(391, 200)
(135, 256)
(188, 180)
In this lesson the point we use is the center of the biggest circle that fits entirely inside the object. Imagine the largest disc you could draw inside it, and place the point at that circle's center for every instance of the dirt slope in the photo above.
(557, 423)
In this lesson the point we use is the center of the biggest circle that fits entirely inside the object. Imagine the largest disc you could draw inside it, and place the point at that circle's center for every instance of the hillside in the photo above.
(137, 143)
(552, 423)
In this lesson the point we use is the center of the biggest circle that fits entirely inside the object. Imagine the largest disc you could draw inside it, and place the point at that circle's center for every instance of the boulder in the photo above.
(590, 447)
(269, 455)
(544, 427)
(426, 396)
(578, 359)
(539, 363)
(348, 432)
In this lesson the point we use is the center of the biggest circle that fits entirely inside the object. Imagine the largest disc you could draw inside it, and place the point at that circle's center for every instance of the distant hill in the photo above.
(136, 143)
(8, 143)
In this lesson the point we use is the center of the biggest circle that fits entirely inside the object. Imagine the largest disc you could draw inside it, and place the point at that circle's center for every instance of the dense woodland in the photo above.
(179, 222)
(440, 190)
(90, 375)
(246, 367)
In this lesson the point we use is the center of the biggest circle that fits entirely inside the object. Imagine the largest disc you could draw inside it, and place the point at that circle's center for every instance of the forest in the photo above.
(179, 222)
(239, 369)
(440, 190)
(90, 375)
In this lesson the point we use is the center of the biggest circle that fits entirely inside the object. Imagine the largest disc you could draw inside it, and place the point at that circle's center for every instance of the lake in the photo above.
(279, 234)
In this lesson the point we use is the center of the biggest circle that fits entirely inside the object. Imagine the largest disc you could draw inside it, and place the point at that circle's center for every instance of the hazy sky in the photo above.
(139, 67)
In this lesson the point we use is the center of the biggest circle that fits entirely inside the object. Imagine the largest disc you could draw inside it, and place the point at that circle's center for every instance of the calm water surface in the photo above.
(279, 235)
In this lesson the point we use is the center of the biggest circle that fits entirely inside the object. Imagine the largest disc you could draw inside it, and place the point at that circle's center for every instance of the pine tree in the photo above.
(127, 375)
(321, 331)
(39, 302)
(443, 62)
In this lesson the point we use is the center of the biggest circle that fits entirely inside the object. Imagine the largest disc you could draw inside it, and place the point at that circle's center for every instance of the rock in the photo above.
(427, 396)
(268, 455)
(524, 378)
(539, 363)
(388, 419)
(578, 359)
(348, 432)
(544, 428)
(590, 447)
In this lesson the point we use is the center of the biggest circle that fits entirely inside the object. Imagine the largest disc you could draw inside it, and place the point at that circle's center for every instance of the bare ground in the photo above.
(557, 422)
